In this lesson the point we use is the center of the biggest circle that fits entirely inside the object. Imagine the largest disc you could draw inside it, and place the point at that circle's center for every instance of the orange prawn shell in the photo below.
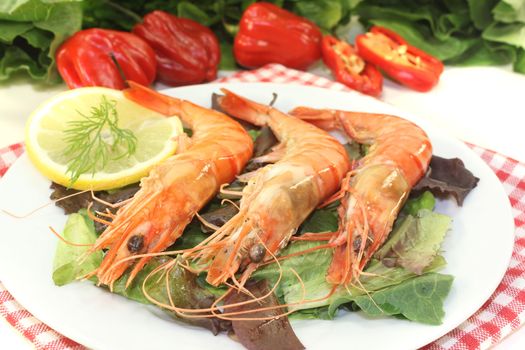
(175, 189)
(377, 186)
(309, 166)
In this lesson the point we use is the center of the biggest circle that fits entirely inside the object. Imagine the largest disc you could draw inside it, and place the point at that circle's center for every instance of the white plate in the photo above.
(477, 249)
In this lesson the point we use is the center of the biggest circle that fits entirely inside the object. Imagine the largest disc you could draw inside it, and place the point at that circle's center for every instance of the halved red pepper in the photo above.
(270, 34)
(187, 52)
(102, 57)
(350, 69)
(405, 63)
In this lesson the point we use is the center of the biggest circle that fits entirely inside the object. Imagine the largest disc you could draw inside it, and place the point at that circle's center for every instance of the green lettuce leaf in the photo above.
(425, 201)
(509, 11)
(184, 288)
(485, 53)
(415, 241)
(191, 236)
(31, 31)
(310, 267)
(481, 12)
(418, 299)
(380, 278)
(325, 13)
(513, 34)
(463, 33)
(412, 249)
(70, 261)
(442, 24)
(321, 220)
(519, 65)
(189, 10)
(318, 313)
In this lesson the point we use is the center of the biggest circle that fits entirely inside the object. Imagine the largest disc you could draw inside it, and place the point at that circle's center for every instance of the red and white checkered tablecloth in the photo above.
(498, 317)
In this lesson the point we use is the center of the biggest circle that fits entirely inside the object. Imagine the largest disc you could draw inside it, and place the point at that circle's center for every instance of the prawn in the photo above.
(177, 188)
(376, 188)
(308, 166)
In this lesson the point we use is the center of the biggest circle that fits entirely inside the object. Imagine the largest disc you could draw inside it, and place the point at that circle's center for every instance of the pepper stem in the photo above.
(119, 68)
(125, 11)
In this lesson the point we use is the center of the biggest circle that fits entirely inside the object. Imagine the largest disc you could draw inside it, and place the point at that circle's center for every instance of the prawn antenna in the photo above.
(23, 216)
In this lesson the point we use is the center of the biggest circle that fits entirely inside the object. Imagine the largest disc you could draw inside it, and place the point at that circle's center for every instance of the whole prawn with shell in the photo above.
(176, 189)
(308, 167)
(376, 188)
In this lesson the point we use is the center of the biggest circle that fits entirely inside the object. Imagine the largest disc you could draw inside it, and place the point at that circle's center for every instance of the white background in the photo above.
(484, 106)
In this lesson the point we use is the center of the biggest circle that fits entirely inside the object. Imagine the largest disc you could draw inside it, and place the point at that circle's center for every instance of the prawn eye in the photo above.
(135, 243)
(257, 252)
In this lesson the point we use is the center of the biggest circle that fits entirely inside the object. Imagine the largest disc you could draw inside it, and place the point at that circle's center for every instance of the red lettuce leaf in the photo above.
(447, 177)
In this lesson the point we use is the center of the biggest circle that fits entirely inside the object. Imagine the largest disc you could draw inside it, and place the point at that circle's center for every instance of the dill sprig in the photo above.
(96, 139)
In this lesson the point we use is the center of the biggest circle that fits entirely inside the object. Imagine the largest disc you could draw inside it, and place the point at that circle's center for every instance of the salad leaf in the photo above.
(317, 313)
(67, 265)
(519, 65)
(264, 141)
(31, 31)
(189, 10)
(325, 13)
(227, 60)
(481, 12)
(467, 32)
(183, 288)
(485, 53)
(191, 236)
(310, 267)
(425, 201)
(262, 333)
(321, 220)
(509, 11)
(134, 290)
(380, 278)
(447, 177)
(513, 34)
(415, 241)
(419, 299)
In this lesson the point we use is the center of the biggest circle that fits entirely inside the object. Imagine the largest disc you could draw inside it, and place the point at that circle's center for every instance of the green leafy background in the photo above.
(459, 32)
(30, 33)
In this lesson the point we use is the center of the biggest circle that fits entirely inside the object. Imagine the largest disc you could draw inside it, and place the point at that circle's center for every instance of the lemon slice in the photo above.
(45, 144)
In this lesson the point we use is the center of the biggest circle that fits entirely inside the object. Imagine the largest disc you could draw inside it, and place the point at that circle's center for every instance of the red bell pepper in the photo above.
(269, 34)
(101, 57)
(187, 52)
(401, 61)
(350, 69)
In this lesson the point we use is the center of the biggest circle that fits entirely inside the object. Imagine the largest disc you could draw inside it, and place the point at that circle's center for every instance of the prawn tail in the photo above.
(322, 118)
(244, 109)
(152, 99)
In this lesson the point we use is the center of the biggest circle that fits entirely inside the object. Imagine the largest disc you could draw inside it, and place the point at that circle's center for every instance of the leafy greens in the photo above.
(465, 32)
(403, 270)
(30, 33)
(70, 263)
(400, 280)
